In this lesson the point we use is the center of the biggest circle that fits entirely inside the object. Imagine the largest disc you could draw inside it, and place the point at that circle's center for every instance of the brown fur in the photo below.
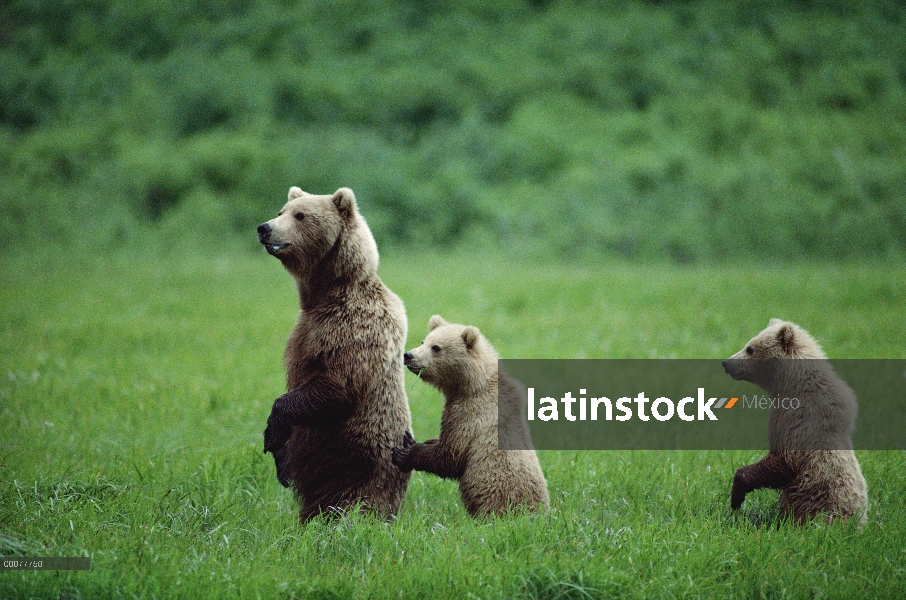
(332, 433)
(461, 363)
(810, 457)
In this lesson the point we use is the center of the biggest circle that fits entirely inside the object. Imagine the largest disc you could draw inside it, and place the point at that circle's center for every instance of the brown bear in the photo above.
(332, 433)
(462, 364)
(810, 453)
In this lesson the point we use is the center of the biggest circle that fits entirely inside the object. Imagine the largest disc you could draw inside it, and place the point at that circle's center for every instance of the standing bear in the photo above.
(332, 433)
(810, 453)
(462, 364)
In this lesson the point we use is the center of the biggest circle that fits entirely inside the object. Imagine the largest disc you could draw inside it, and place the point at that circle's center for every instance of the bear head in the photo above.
(759, 362)
(456, 359)
(321, 236)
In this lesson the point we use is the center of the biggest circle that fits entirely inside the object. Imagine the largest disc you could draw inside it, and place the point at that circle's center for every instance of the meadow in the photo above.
(135, 389)
(578, 178)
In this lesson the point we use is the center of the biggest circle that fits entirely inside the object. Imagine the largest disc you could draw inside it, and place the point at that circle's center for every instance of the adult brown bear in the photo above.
(332, 433)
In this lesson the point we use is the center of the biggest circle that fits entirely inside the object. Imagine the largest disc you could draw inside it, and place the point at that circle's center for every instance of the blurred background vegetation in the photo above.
(678, 131)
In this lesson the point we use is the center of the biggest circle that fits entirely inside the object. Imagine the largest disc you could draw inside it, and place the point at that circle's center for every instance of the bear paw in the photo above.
(400, 458)
(277, 432)
(400, 454)
(738, 493)
(282, 470)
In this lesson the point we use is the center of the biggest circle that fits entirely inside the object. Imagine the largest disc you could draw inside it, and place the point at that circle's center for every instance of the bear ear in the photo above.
(786, 337)
(435, 322)
(295, 192)
(470, 336)
(773, 322)
(344, 200)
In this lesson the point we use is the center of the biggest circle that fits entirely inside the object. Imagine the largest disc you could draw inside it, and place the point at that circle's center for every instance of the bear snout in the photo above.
(411, 363)
(734, 368)
(264, 230)
(264, 236)
(728, 366)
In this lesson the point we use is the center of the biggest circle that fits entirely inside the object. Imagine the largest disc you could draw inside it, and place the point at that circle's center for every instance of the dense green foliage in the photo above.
(132, 404)
(658, 130)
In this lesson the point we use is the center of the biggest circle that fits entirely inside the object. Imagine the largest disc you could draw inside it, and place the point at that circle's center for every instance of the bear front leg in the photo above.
(431, 457)
(770, 472)
(321, 397)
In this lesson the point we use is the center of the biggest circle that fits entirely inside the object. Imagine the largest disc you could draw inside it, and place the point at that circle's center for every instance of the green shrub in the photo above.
(669, 130)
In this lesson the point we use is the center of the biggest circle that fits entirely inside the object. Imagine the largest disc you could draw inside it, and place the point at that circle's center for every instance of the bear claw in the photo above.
(400, 457)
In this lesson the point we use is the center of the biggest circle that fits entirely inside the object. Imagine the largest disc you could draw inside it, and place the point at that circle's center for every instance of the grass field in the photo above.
(135, 390)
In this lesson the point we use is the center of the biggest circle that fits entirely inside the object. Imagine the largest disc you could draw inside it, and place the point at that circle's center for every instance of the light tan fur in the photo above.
(462, 364)
(810, 457)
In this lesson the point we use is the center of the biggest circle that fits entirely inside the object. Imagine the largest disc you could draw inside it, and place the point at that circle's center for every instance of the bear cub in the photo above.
(810, 455)
(462, 364)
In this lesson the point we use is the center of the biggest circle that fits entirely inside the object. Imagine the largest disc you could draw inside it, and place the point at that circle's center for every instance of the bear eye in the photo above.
(750, 350)
(435, 348)
(299, 216)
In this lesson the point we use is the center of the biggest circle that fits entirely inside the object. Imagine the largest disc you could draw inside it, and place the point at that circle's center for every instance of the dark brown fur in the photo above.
(332, 433)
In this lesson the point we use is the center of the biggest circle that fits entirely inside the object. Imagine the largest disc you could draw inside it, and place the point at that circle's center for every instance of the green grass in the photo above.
(135, 389)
